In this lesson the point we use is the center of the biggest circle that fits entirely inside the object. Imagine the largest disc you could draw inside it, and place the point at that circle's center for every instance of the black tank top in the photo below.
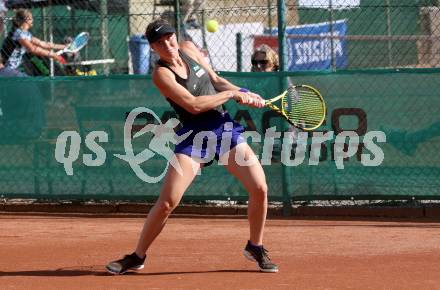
(197, 83)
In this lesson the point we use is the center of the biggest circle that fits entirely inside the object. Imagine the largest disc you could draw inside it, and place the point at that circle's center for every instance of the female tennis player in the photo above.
(20, 40)
(197, 94)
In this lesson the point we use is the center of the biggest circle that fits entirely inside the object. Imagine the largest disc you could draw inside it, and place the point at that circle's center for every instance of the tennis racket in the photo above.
(302, 106)
(79, 42)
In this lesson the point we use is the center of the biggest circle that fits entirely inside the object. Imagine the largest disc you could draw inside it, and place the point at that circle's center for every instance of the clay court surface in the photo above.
(68, 252)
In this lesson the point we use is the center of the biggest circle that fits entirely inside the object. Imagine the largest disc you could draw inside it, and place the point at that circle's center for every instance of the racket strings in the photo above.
(79, 41)
(303, 107)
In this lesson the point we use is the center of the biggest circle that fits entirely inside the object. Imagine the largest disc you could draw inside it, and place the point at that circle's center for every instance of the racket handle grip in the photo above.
(61, 59)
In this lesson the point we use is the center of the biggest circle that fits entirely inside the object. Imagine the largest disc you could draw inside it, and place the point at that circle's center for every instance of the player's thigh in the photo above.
(181, 173)
(244, 165)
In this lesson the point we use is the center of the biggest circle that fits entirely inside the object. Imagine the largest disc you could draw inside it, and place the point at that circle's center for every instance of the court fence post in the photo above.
(282, 54)
(239, 41)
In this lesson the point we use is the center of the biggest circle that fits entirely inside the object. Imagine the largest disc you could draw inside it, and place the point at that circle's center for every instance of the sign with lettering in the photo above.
(314, 50)
(334, 4)
(316, 53)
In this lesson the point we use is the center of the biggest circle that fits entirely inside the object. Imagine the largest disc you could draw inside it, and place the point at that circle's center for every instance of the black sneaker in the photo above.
(129, 262)
(259, 255)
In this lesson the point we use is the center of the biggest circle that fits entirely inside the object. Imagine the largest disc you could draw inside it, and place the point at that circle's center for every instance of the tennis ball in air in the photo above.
(212, 25)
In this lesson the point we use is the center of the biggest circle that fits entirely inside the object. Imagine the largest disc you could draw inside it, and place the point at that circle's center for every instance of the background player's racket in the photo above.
(302, 106)
(79, 42)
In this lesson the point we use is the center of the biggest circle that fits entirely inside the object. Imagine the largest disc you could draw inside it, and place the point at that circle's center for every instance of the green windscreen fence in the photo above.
(63, 138)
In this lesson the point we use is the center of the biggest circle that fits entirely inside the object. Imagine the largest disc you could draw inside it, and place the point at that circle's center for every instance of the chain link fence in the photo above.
(375, 62)
(321, 35)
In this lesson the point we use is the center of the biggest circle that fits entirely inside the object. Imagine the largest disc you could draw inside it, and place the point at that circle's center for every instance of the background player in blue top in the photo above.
(20, 40)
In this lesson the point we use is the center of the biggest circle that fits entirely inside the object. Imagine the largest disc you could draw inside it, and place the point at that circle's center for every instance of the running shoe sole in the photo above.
(114, 272)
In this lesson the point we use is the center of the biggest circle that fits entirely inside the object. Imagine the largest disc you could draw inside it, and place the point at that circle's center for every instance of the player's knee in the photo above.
(260, 192)
(166, 207)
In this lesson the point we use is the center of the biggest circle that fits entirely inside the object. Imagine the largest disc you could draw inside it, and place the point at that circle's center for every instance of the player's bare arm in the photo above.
(46, 45)
(219, 83)
(35, 49)
(166, 82)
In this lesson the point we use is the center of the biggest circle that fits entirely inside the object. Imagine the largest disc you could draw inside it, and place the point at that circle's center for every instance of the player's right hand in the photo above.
(259, 102)
(248, 99)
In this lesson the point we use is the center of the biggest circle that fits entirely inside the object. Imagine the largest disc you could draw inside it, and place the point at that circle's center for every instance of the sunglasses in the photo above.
(257, 62)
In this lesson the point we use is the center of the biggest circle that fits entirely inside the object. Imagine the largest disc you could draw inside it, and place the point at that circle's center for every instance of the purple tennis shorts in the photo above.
(210, 139)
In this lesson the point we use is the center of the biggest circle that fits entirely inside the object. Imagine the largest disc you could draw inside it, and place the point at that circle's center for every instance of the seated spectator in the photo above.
(264, 59)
